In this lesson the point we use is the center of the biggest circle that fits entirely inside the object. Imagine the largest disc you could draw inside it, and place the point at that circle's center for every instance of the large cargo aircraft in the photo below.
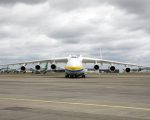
(74, 65)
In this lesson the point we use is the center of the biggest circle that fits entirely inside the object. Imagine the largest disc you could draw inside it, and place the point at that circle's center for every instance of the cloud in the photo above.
(6, 2)
(66, 5)
(140, 8)
(134, 6)
(32, 31)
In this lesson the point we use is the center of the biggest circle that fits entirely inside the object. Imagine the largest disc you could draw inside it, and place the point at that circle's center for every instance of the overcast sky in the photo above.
(40, 29)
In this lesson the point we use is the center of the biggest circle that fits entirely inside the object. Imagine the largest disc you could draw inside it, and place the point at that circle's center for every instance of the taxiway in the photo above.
(104, 97)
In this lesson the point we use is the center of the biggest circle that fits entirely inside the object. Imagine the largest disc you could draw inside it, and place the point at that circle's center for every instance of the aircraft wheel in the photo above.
(76, 76)
(44, 72)
(71, 76)
(83, 76)
(67, 76)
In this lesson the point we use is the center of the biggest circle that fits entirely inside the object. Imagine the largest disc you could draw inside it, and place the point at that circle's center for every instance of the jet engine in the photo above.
(23, 68)
(112, 68)
(53, 66)
(140, 69)
(127, 70)
(96, 67)
(37, 67)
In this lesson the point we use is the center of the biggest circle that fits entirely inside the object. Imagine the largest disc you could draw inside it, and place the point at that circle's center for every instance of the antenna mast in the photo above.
(101, 57)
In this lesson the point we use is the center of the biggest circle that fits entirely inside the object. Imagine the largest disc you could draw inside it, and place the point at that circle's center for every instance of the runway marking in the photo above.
(72, 103)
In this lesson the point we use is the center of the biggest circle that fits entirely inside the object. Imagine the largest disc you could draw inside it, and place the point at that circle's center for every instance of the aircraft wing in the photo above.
(51, 60)
(102, 61)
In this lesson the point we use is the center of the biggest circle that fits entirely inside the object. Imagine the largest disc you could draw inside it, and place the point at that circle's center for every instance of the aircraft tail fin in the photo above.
(46, 66)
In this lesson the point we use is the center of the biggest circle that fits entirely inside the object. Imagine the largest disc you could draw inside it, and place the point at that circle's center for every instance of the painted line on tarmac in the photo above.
(73, 103)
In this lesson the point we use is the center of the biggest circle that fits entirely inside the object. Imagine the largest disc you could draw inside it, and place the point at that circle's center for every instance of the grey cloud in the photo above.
(59, 28)
(64, 4)
(68, 5)
(69, 35)
(134, 6)
(66, 33)
(5, 2)
(138, 7)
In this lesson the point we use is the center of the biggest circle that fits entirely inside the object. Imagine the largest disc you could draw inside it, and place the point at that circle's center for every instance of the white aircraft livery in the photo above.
(74, 65)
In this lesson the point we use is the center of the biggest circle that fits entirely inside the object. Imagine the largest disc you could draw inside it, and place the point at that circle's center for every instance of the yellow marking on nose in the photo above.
(73, 67)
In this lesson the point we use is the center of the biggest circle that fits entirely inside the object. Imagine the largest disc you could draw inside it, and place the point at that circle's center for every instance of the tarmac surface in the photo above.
(104, 97)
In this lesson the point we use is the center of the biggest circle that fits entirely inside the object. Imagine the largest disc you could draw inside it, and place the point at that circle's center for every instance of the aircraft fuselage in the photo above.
(74, 67)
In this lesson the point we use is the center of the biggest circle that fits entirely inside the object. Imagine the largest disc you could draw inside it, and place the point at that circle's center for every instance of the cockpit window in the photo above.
(73, 56)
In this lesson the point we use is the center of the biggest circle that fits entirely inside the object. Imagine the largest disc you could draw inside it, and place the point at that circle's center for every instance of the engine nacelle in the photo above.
(140, 69)
(112, 68)
(53, 66)
(96, 67)
(23, 68)
(127, 70)
(37, 67)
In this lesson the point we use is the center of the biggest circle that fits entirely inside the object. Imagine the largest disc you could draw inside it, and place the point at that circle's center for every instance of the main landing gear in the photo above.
(74, 76)
(83, 76)
(67, 76)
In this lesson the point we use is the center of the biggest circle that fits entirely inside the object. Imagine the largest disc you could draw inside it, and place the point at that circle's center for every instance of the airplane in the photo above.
(8, 70)
(5, 70)
(74, 65)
